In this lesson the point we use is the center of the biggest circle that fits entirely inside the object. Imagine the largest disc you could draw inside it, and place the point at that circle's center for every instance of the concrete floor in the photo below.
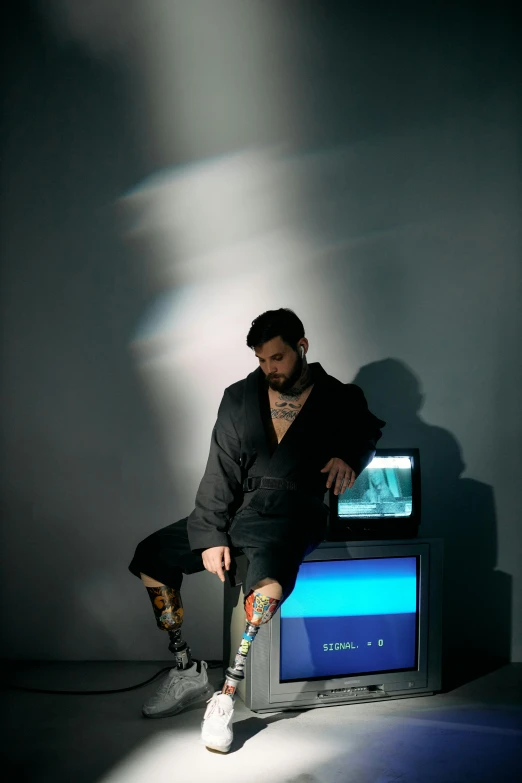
(472, 734)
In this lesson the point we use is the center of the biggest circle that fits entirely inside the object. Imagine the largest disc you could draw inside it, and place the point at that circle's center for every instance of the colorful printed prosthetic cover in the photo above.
(167, 606)
(168, 610)
(259, 609)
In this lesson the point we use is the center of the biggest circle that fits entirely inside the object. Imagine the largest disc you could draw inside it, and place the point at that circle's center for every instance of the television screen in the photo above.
(348, 617)
(383, 489)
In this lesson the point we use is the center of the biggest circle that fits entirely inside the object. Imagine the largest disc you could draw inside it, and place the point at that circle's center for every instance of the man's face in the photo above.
(281, 365)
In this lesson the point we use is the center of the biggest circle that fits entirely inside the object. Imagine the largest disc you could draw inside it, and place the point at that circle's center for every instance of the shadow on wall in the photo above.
(461, 511)
(85, 470)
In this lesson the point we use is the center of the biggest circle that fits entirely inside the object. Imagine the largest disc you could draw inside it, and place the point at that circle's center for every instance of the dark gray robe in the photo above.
(334, 422)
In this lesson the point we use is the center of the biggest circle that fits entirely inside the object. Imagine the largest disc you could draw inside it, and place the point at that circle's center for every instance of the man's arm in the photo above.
(221, 486)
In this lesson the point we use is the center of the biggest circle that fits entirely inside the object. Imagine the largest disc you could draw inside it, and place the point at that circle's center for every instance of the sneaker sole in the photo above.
(181, 705)
(215, 747)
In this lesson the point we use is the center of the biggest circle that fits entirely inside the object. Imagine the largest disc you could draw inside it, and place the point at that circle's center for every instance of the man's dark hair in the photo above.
(282, 323)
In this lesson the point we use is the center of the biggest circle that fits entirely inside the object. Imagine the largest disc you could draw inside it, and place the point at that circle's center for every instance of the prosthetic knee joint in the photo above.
(168, 610)
(259, 609)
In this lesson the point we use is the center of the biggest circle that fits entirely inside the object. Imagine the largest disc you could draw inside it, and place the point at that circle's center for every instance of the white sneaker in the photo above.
(179, 689)
(216, 728)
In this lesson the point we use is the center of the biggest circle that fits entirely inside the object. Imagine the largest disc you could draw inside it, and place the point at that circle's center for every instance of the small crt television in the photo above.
(384, 501)
(363, 623)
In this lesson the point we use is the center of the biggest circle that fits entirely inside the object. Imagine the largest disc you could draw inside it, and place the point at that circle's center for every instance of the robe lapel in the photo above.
(280, 463)
(255, 428)
(300, 439)
(299, 435)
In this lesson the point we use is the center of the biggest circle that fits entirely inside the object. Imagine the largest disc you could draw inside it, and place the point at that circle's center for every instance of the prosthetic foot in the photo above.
(187, 683)
(216, 729)
(179, 690)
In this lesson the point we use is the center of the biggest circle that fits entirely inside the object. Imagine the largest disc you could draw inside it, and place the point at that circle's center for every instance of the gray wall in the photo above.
(376, 191)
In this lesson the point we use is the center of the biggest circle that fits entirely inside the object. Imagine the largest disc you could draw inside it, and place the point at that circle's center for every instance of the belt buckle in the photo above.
(248, 481)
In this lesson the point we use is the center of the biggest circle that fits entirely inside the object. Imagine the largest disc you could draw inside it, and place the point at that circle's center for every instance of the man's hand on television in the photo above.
(340, 473)
(215, 558)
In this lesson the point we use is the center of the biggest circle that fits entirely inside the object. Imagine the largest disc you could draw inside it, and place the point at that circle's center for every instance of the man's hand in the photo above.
(341, 473)
(215, 558)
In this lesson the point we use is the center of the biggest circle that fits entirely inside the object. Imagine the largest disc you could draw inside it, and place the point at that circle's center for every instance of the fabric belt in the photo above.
(266, 482)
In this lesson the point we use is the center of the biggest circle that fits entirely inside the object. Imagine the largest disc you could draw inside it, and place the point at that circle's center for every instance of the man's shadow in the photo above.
(461, 511)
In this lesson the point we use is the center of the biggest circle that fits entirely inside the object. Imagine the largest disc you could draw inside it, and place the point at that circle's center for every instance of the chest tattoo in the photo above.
(286, 414)
(284, 408)
(288, 406)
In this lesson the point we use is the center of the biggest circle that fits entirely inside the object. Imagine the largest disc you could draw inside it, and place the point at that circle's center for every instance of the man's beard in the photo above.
(283, 385)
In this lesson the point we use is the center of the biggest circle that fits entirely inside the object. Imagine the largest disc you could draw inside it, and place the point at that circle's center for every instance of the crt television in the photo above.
(384, 501)
(362, 624)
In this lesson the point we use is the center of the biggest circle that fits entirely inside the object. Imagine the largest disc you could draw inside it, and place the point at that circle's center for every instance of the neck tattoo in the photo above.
(300, 386)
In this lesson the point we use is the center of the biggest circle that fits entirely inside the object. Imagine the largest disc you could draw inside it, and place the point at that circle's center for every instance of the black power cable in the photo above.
(213, 664)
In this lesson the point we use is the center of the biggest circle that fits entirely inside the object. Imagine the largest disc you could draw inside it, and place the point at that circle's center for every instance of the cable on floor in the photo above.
(213, 664)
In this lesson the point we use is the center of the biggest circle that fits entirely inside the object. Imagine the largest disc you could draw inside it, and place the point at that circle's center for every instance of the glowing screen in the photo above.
(384, 489)
(348, 617)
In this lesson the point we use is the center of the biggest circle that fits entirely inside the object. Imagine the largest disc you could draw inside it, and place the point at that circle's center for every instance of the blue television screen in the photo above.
(384, 489)
(348, 617)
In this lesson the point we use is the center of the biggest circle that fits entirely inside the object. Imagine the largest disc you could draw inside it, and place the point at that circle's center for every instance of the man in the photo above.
(283, 436)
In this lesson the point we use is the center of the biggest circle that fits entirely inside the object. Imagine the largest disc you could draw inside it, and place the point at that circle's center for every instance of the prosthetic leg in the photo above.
(186, 683)
(259, 609)
(168, 610)
(216, 730)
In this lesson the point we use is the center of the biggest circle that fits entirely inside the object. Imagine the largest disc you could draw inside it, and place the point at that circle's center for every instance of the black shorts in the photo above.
(274, 548)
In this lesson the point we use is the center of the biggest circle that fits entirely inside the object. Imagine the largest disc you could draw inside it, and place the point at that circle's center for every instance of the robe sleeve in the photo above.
(220, 490)
(362, 430)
